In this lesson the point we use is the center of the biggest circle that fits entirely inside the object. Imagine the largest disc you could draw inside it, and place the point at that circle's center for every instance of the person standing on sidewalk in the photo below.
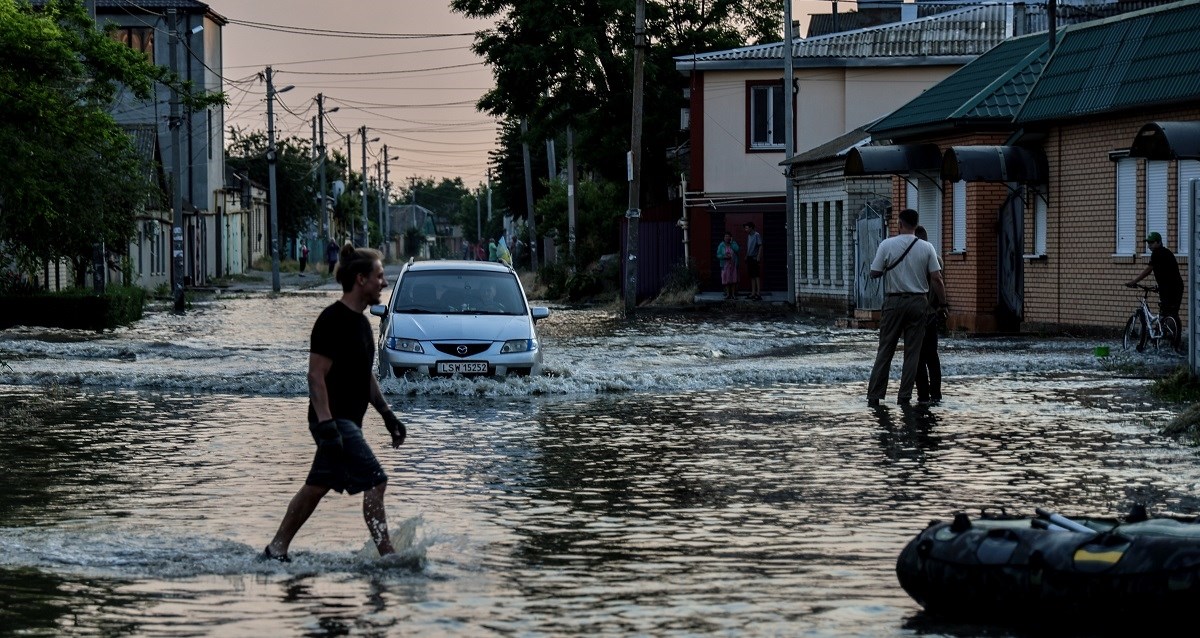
(727, 252)
(753, 260)
(910, 268)
(303, 255)
(341, 383)
(331, 255)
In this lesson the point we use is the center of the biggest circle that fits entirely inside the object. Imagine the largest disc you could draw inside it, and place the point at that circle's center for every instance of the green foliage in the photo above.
(598, 213)
(1179, 386)
(72, 177)
(76, 308)
(296, 189)
(571, 64)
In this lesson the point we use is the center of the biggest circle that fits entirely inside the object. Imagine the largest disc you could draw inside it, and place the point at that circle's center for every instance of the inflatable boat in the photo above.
(998, 566)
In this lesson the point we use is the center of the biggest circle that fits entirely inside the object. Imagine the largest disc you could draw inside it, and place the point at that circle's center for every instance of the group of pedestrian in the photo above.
(727, 261)
(914, 291)
(915, 305)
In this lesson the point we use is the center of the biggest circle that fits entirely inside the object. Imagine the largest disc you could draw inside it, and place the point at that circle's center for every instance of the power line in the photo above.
(345, 34)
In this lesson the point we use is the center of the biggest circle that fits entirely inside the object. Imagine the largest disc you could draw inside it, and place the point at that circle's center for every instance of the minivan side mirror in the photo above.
(379, 310)
(539, 312)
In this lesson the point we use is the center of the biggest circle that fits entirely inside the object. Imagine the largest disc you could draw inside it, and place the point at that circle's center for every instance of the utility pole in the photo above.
(379, 200)
(271, 160)
(788, 146)
(366, 232)
(571, 183)
(529, 194)
(321, 167)
(635, 162)
(385, 223)
(177, 195)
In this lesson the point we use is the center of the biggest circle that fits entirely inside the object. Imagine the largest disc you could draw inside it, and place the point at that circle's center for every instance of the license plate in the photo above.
(462, 367)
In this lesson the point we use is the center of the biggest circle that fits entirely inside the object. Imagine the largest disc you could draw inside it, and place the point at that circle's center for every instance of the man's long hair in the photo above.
(353, 262)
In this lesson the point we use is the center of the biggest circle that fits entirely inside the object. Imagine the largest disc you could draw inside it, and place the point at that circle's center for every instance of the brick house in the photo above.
(1039, 207)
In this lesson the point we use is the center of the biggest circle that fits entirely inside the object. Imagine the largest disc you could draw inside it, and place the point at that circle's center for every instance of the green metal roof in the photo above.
(993, 86)
(1139, 59)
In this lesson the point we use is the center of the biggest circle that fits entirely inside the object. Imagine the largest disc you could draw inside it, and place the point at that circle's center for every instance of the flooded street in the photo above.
(676, 475)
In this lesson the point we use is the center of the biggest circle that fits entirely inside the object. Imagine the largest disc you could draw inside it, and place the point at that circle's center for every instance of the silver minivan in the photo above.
(458, 318)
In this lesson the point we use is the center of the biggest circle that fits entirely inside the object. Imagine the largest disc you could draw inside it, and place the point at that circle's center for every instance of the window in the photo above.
(1037, 225)
(1156, 198)
(137, 38)
(1188, 171)
(802, 227)
(766, 121)
(1126, 231)
(929, 207)
(958, 222)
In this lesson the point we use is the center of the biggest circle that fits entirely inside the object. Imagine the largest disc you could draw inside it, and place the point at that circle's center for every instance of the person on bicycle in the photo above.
(1166, 275)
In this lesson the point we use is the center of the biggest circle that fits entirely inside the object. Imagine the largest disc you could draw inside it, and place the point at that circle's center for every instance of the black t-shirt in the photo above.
(345, 337)
(1166, 271)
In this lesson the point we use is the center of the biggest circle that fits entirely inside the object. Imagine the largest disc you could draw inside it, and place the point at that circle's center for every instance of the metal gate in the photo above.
(1010, 267)
(869, 232)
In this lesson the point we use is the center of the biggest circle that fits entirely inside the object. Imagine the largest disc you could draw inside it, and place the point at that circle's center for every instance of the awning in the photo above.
(892, 160)
(1167, 141)
(994, 164)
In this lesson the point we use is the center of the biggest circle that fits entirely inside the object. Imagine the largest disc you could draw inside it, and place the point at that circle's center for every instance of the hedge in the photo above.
(74, 308)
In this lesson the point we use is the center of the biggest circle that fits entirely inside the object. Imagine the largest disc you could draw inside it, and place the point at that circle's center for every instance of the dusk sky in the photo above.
(408, 75)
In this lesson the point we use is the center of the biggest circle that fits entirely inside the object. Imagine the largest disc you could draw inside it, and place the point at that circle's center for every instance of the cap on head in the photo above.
(1154, 238)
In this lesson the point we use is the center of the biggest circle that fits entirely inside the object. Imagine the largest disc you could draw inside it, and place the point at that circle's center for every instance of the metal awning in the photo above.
(892, 160)
(994, 164)
(1167, 141)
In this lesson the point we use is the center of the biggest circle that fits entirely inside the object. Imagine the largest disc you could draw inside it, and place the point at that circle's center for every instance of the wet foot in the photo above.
(267, 555)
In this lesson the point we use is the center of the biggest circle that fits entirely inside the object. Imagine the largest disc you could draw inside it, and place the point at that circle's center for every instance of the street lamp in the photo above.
(271, 159)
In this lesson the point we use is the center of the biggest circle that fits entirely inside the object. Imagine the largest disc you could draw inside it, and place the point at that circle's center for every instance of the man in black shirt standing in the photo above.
(340, 385)
(1166, 276)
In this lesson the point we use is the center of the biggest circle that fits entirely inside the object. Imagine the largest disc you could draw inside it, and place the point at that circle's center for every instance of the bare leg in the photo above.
(376, 518)
(299, 509)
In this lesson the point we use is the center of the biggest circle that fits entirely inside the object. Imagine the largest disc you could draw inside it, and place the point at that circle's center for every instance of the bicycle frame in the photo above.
(1144, 325)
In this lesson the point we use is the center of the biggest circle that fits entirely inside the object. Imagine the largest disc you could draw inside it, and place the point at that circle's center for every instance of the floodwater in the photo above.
(675, 475)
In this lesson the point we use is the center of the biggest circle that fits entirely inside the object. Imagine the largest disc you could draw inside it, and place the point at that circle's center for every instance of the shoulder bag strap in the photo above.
(902, 255)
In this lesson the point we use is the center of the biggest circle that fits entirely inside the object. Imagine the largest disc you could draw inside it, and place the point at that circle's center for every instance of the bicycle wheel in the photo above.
(1136, 333)
(1171, 332)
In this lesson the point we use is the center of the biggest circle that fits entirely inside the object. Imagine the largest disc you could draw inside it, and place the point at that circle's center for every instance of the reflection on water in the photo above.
(677, 476)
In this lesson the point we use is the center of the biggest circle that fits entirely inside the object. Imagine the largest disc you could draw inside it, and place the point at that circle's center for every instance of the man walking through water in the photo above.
(340, 385)
(909, 266)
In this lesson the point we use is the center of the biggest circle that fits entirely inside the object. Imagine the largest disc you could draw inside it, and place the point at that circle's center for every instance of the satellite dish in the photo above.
(339, 187)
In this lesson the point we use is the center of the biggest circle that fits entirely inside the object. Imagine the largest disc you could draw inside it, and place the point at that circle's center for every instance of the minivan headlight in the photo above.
(518, 345)
(404, 345)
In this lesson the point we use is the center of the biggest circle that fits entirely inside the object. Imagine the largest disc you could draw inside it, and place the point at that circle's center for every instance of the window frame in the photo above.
(775, 91)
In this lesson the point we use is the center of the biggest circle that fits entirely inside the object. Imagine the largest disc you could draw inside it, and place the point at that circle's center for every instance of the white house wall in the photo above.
(830, 102)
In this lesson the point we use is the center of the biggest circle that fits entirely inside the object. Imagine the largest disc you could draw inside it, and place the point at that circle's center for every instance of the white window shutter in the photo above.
(1156, 198)
(1126, 230)
(959, 223)
(930, 211)
(1188, 171)
(1040, 208)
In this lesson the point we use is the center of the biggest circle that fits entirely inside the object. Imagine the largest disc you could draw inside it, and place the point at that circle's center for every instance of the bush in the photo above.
(75, 308)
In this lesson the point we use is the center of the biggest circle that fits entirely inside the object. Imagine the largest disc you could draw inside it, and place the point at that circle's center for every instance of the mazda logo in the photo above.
(461, 350)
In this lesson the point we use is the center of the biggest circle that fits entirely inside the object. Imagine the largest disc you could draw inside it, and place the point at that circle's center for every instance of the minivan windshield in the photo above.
(459, 292)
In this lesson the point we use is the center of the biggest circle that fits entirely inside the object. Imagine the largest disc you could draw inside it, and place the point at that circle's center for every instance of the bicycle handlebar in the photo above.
(1143, 287)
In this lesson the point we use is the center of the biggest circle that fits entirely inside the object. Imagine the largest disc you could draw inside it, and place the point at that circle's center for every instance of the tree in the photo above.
(560, 64)
(296, 187)
(72, 177)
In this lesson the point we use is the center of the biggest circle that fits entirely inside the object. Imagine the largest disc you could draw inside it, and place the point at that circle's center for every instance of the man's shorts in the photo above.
(352, 470)
(1168, 303)
(752, 266)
